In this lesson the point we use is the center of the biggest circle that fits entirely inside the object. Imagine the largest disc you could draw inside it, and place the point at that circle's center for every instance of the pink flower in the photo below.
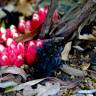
(14, 31)
(8, 33)
(16, 54)
(55, 18)
(2, 49)
(42, 12)
(38, 19)
(12, 56)
(21, 48)
(0, 33)
(3, 34)
(21, 26)
(39, 43)
(19, 61)
(4, 60)
(11, 43)
(32, 43)
(12, 27)
(1, 37)
(35, 21)
(28, 26)
(31, 54)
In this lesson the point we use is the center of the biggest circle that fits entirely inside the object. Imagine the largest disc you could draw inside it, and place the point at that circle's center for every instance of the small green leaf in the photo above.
(3, 24)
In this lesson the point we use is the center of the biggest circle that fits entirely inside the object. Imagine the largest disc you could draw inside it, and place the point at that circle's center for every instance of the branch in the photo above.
(71, 26)
(47, 23)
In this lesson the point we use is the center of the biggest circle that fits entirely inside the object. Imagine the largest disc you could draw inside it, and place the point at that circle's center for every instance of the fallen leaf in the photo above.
(78, 48)
(7, 77)
(72, 71)
(23, 85)
(65, 52)
(28, 91)
(85, 66)
(48, 90)
(8, 84)
(14, 70)
(87, 37)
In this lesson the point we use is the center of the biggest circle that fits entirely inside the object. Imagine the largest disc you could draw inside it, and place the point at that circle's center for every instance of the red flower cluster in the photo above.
(15, 54)
(31, 53)
(37, 20)
(24, 26)
(18, 53)
(8, 33)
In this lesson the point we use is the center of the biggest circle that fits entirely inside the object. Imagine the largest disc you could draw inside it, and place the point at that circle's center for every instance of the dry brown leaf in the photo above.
(28, 91)
(8, 84)
(85, 66)
(72, 71)
(78, 48)
(14, 70)
(42, 90)
(25, 7)
(65, 53)
(7, 77)
(48, 90)
(87, 37)
(23, 85)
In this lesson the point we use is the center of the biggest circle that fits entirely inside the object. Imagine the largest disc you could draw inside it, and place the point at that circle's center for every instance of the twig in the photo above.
(47, 23)
(57, 39)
